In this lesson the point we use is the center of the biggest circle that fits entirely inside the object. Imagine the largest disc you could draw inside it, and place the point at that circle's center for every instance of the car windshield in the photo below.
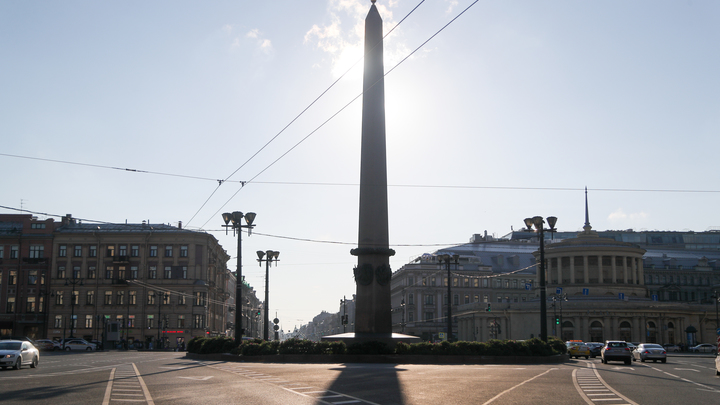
(617, 344)
(653, 347)
(10, 345)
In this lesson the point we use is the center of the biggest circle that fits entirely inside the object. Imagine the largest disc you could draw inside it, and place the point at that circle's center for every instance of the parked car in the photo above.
(616, 350)
(595, 348)
(47, 345)
(77, 344)
(671, 347)
(577, 349)
(18, 353)
(703, 348)
(650, 351)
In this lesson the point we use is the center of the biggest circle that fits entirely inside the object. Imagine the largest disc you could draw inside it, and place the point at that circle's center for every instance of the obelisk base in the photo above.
(390, 339)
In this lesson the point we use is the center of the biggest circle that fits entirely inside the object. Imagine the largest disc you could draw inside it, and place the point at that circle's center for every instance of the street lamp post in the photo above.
(538, 222)
(161, 297)
(73, 283)
(271, 256)
(449, 259)
(236, 217)
(716, 297)
(344, 318)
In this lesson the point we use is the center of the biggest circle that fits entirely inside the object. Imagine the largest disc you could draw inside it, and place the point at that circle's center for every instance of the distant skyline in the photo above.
(508, 112)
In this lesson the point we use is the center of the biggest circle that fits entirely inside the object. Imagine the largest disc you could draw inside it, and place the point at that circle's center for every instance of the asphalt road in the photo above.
(169, 378)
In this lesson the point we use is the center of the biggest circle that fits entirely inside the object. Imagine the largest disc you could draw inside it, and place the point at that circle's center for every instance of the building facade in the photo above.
(148, 282)
(25, 252)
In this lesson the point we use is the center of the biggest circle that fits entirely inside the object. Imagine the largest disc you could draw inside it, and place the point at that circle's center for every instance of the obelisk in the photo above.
(372, 274)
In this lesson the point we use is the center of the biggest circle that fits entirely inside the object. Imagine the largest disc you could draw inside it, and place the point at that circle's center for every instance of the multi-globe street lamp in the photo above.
(271, 256)
(73, 283)
(447, 259)
(236, 218)
(539, 222)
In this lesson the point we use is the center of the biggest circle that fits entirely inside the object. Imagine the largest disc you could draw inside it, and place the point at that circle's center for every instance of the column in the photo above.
(572, 269)
(613, 258)
(586, 269)
(548, 270)
(625, 270)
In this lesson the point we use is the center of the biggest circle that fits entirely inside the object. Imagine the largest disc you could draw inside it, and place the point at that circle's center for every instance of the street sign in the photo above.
(586, 291)
(621, 296)
(655, 298)
(528, 286)
(558, 291)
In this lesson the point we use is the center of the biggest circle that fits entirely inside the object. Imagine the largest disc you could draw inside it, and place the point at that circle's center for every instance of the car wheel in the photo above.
(717, 372)
(34, 362)
(67, 349)
(89, 349)
(627, 362)
(586, 357)
(642, 360)
(56, 348)
(664, 360)
(18, 364)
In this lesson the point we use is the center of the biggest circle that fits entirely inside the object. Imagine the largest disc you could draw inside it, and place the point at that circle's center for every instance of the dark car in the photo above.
(616, 350)
(595, 348)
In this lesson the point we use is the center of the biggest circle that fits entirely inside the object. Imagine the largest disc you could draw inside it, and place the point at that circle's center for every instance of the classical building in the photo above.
(149, 280)
(25, 251)
(637, 286)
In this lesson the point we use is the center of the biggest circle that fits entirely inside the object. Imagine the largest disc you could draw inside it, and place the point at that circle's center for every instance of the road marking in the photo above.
(512, 388)
(126, 385)
(687, 369)
(198, 378)
(590, 385)
(703, 387)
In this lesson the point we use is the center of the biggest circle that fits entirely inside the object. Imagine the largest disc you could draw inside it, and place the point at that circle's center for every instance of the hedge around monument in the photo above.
(258, 347)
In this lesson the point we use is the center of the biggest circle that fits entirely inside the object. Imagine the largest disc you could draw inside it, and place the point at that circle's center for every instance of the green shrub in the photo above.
(195, 344)
(370, 347)
(215, 344)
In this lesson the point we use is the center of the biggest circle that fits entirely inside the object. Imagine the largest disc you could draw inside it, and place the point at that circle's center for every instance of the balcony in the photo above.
(35, 260)
(119, 281)
(121, 259)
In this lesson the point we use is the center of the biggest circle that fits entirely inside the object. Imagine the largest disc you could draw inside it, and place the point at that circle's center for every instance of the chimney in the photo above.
(179, 224)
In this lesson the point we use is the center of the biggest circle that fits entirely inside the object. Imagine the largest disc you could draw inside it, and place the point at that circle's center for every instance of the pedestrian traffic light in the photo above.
(488, 308)
(557, 320)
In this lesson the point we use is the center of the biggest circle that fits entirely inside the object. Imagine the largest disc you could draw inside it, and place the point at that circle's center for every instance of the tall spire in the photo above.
(587, 214)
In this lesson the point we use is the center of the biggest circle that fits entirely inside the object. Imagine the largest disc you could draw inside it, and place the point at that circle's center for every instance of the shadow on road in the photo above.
(374, 383)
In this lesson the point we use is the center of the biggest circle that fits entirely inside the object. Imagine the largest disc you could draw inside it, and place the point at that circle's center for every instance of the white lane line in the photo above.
(518, 385)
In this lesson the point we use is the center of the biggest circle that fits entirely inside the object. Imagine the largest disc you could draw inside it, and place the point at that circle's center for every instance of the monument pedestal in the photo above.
(390, 339)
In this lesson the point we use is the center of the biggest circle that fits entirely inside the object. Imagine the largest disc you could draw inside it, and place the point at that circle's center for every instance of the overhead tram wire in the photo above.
(342, 108)
(220, 183)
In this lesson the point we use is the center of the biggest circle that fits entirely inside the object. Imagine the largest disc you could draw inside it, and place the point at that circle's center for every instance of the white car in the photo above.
(77, 344)
(17, 353)
(703, 348)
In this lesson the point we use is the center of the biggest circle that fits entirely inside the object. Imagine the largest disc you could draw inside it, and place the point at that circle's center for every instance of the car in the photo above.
(18, 353)
(577, 349)
(77, 344)
(44, 344)
(20, 338)
(616, 350)
(595, 348)
(671, 347)
(650, 351)
(703, 348)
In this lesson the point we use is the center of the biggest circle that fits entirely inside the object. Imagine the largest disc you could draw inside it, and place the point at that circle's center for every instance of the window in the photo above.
(110, 252)
(131, 321)
(467, 299)
(135, 251)
(184, 272)
(41, 304)
(486, 298)
(122, 250)
(168, 251)
(92, 251)
(432, 281)
(476, 283)
(12, 277)
(456, 299)
(150, 321)
(411, 281)
(2, 252)
(37, 251)
(59, 298)
(32, 277)
(109, 270)
(36, 225)
(200, 298)
(76, 272)
(515, 284)
(14, 252)
(428, 299)
(132, 297)
(108, 297)
(90, 297)
(184, 251)
(477, 298)
(88, 321)
(424, 281)
(168, 272)
(198, 321)
(74, 297)
(77, 252)
(62, 251)
(10, 308)
(181, 299)
(58, 321)
(42, 277)
(133, 272)
(484, 283)
(73, 321)
(120, 319)
(153, 251)
(411, 299)
(120, 298)
(181, 321)
(121, 273)
(152, 272)
(151, 298)
(467, 282)
(91, 272)
(428, 316)
(61, 272)
(411, 317)
(166, 299)
(455, 281)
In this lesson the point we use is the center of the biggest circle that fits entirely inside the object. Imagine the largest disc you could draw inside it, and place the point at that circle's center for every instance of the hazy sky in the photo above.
(509, 112)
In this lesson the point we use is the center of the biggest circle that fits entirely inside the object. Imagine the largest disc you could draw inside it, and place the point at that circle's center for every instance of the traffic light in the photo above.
(488, 308)
(557, 320)
(258, 312)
